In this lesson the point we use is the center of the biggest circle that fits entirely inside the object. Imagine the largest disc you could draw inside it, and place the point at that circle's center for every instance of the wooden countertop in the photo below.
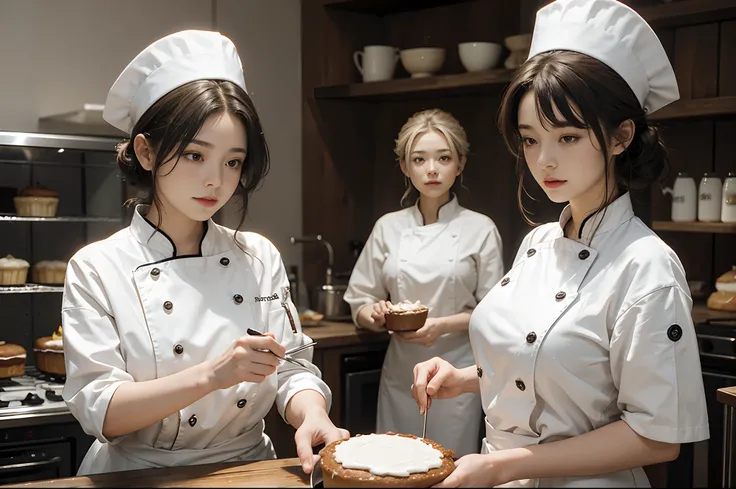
(330, 334)
(701, 313)
(727, 395)
(267, 473)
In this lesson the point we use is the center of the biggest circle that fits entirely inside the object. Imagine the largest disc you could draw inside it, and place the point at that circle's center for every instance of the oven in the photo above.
(34, 452)
(717, 343)
(361, 376)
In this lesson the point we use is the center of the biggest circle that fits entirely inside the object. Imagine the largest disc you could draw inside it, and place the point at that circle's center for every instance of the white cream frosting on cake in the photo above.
(726, 287)
(53, 344)
(11, 262)
(393, 455)
(406, 306)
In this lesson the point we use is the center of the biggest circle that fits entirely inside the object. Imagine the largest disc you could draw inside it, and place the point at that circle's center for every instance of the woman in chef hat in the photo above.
(585, 352)
(160, 368)
(436, 252)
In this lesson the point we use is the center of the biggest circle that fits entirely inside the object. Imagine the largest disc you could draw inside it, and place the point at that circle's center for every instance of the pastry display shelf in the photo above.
(12, 217)
(31, 289)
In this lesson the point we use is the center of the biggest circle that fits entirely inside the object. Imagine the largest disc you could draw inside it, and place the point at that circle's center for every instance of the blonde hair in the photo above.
(432, 120)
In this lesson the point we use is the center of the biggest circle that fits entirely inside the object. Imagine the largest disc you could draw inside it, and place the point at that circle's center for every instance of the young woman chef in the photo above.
(586, 356)
(436, 252)
(159, 366)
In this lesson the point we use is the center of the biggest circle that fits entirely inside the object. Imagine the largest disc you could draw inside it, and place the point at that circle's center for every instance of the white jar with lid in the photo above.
(728, 203)
(709, 198)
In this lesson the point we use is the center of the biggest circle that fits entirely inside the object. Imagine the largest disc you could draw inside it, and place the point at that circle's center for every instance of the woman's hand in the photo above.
(316, 429)
(426, 335)
(436, 378)
(241, 362)
(373, 316)
(378, 312)
(476, 470)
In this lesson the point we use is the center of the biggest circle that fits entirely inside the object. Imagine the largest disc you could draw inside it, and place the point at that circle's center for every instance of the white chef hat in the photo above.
(615, 35)
(167, 64)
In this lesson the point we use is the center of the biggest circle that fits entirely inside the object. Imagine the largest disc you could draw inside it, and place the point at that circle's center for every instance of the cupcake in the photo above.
(49, 352)
(724, 298)
(36, 201)
(406, 316)
(48, 272)
(12, 360)
(13, 271)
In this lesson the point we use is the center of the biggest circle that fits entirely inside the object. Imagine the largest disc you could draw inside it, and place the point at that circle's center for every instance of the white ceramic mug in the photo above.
(376, 63)
(709, 195)
(684, 198)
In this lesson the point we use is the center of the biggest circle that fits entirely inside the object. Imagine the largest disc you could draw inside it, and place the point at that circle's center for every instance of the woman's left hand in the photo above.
(425, 336)
(316, 429)
(476, 470)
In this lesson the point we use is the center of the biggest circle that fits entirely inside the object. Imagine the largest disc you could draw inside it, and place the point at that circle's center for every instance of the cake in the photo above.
(48, 272)
(406, 316)
(49, 352)
(36, 201)
(385, 460)
(724, 298)
(12, 360)
(13, 271)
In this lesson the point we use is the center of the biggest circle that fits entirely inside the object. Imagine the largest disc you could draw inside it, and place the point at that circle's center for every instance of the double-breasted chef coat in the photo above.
(577, 336)
(449, 266)
(134, 310)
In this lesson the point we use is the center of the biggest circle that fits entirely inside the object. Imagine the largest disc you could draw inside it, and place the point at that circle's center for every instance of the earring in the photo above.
(406, 181)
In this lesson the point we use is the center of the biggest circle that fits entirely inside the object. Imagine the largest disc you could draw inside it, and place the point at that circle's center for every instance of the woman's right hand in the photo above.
(435, 378)
(373, 316)
(378, 314)
(241, 362)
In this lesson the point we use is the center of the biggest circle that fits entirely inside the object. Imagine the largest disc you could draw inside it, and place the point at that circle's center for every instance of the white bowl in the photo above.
(519, 42)
(422, 62)
(479, 56)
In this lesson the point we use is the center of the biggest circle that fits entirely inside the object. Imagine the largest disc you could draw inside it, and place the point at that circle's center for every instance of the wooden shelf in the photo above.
(385, 7)
(455, 84)
(695, 227)
(701, 313)
(688, 12)
(699, 107)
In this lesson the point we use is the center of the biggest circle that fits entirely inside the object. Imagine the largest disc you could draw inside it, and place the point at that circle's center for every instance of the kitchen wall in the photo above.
(58, 55)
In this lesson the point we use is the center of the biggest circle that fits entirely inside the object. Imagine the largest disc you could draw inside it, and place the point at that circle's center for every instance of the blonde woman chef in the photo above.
(436, 252)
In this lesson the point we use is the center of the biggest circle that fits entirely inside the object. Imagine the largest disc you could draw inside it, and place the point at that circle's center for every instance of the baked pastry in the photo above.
(406, 316)
(36, 201)
(13, 271)
(12, 360)
(724, 298)
(49, 352)
(386, 460)
(48, 272)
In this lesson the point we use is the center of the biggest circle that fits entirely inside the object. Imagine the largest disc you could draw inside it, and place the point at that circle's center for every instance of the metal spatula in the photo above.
(424, 428)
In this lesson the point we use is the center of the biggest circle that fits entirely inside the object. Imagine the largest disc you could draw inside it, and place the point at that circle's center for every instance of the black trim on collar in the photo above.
(173, 246)
(582, 225)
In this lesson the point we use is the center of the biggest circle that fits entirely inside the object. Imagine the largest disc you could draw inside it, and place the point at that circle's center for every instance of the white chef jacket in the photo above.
(133, 310)
(576, 337)
(449, 266)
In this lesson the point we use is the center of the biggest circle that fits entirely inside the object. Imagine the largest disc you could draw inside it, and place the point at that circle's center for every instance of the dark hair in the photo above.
(173, 121)
(602, 100)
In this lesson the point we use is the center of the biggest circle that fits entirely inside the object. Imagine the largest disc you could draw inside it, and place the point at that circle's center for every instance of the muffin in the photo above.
(12, 360)
(36, 201)
(49, 352)
(724, 298)
(406, 316)
(386, 460)
(13, 271)
(48, 272)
